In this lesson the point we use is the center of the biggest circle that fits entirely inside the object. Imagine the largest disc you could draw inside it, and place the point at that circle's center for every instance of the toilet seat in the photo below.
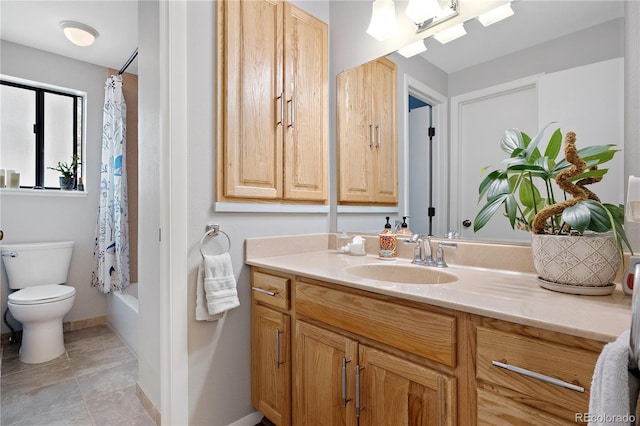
(40, 294)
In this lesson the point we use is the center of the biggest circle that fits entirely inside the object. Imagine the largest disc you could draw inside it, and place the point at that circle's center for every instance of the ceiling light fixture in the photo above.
(383, 20)
(495, 15)
(421, 10)
(450, 34)
(79, 34)
(413, 49)
(451, 10)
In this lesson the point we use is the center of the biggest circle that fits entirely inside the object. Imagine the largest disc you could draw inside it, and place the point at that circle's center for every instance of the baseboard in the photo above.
(250, 420)
(147, 404)
(67, 326)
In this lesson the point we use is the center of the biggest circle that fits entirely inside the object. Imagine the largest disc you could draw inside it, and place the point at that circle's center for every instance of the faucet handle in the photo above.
(440, 263)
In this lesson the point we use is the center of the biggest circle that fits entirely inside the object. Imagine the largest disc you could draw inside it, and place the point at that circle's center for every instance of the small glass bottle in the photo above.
(388, 242)
(342, 242)
(404, 228)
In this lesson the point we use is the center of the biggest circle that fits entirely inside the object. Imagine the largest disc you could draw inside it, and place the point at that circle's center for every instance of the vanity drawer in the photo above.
(270, 289)
(427, 334)
(545, 372)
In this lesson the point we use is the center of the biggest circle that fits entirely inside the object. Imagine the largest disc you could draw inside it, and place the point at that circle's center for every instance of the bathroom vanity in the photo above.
(332, 346)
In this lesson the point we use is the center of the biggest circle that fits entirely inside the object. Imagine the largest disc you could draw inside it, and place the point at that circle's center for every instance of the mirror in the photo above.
(466, 76)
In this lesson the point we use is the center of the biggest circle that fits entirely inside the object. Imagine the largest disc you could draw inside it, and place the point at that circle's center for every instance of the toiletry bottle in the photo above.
(387, 242)
(404, 228)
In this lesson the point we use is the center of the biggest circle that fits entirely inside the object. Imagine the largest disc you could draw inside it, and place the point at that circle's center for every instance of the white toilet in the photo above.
(39, 271)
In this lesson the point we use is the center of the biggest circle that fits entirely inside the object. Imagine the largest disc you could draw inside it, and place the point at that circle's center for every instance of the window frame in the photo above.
(79, 137)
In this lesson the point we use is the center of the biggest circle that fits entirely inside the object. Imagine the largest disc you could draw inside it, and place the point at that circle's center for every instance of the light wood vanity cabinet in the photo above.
(272, 102)
(368, 134)
(271, 346)
(550, 382)
(351, 357)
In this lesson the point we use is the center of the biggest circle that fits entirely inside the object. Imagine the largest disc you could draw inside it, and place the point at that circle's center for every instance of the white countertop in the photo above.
(505, 295)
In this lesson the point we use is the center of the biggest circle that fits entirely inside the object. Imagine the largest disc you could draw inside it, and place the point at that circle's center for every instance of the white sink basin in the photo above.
(406, 274)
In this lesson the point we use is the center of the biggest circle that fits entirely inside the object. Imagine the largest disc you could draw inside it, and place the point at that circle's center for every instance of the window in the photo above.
(39, 126)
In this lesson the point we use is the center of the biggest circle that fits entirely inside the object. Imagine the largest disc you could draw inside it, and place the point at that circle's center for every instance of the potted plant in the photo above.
(68, 172)
(577, 241)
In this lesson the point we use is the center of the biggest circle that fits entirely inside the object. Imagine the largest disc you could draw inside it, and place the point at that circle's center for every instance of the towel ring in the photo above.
(214, 231)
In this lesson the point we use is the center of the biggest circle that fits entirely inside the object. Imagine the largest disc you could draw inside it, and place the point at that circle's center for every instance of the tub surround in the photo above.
(500, 283)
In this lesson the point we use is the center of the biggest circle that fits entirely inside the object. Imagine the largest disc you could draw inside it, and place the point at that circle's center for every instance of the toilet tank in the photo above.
(31, 264)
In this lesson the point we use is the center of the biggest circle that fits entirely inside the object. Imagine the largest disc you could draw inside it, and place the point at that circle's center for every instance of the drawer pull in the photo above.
(538, 376)
(345, 361)
(278, 361)
(263, 291)
(359, 407)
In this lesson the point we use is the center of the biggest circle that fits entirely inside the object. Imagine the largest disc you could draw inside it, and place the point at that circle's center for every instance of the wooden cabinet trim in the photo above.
(420, 332)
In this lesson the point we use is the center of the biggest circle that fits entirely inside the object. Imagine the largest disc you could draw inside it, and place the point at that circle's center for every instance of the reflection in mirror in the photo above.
(493, 79)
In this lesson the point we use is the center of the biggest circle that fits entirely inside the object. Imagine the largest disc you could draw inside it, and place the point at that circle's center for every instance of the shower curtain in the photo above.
(111, 251)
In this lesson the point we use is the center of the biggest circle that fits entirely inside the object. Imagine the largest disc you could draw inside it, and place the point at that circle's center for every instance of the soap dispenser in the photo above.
(387, 242)
(404, 228)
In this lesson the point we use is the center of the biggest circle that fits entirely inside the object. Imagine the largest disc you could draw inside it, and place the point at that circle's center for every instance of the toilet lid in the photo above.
(41, 294)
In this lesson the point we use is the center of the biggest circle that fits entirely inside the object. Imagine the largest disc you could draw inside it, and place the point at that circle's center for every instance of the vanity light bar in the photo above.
(495, 15)
(450, 34)
(413, 49)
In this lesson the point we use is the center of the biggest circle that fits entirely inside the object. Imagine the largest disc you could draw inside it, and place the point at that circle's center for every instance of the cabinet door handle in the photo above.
(358, 404)
(378, 132)
(263, 291)
(345, 361)
(538, 376)
(278, 362)
(371, 135)
(292, 112)
(281, 114)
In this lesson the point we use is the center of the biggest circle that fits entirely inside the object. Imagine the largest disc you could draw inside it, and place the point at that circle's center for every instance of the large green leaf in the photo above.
(511, 140)
(495, 183)
(488, 210)
(592, 155)
(600, 220)
(554, 145)
(528, 193)
(532, 147)
(577, 216)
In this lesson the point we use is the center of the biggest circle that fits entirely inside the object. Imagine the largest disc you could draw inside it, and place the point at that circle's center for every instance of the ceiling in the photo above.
(36, 24)
(534, 22)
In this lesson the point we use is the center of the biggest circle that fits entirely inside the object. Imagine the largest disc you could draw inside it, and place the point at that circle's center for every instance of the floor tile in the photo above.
(87, 333)
(116, 408)
(100, 359)
(143, 420)
(13, 364)
(38, 376)
(38, 402)
(106, 381)
(80, 347)
(71, 415)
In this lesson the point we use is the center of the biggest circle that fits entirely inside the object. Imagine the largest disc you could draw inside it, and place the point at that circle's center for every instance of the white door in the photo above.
(479, 120)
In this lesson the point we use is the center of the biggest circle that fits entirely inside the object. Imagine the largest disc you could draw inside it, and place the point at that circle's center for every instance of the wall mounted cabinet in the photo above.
(272, 103)
(368, 134)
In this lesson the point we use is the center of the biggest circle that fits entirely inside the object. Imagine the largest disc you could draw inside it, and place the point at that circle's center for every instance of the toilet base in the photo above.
(41, 342)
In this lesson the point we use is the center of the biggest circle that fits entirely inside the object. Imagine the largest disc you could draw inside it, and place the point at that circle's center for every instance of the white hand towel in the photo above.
(202, 313)
(219, 283)
(614, 390)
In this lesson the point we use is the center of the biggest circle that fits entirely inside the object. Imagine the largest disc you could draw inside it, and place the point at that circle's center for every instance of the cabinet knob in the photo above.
(466, 223)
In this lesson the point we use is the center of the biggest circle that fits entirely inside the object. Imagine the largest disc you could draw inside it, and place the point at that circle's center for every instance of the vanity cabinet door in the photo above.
(324, 378)
(272, 102)
(367, 134)
(271, 364)
(395, 391)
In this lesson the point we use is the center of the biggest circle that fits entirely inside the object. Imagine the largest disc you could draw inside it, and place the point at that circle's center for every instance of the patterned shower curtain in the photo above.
(111, 251)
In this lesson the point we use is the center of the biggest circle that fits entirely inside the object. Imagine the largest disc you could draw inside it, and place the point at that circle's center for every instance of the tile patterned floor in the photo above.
(93, 383)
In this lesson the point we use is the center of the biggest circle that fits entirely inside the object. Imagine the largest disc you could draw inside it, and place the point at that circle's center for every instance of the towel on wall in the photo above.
(614, 390)
(216, 287)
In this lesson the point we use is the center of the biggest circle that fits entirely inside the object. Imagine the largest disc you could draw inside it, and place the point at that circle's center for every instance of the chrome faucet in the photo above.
(440, 263)
(422, 254)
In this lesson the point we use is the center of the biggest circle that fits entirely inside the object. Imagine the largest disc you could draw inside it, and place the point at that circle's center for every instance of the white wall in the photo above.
(148, 201)
(220, 353)
(25, 218)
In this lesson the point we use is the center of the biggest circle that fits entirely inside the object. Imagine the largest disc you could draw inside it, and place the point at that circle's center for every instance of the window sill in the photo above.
(29, 192)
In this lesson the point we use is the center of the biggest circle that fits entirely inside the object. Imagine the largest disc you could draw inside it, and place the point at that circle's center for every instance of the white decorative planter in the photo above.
(590, 260)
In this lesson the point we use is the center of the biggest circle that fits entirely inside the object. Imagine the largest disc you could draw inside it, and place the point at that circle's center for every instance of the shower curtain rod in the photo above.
(126, 65)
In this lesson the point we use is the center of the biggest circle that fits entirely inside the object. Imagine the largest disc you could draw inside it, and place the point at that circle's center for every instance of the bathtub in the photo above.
(122, 311)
